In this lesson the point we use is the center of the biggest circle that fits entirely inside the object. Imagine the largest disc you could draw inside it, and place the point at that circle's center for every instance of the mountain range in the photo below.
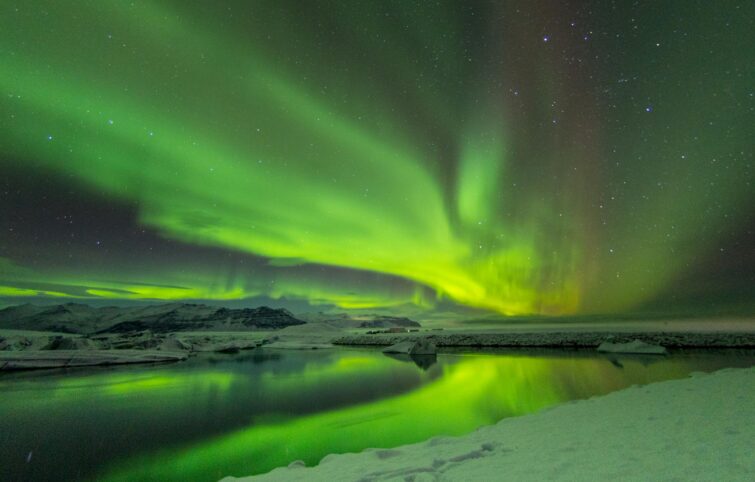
(81, 318)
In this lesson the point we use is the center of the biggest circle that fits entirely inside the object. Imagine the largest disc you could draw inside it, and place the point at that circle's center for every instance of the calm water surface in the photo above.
(215, 415)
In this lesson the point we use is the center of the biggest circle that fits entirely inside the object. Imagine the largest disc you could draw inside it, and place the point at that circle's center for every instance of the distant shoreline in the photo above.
(556, 339)
(25, 349)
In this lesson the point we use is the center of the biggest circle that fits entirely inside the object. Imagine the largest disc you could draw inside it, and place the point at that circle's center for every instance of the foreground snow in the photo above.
(700, 428)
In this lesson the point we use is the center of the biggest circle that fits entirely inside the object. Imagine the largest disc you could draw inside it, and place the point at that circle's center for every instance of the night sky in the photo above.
(415, 157)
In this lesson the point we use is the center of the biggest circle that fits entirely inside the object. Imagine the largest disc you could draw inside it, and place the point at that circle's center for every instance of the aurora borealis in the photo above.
(518, 158)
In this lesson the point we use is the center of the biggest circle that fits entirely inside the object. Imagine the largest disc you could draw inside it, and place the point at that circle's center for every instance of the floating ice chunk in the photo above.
(634, 346)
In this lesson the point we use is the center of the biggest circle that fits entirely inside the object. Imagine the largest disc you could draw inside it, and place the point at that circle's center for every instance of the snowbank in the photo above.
(700, 428)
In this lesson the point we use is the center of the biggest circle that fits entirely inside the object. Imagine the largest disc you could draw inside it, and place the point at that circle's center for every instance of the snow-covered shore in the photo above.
(699, 428)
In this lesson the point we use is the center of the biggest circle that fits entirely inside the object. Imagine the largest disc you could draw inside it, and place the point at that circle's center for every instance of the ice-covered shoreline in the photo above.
(698, 428)
(556, 339)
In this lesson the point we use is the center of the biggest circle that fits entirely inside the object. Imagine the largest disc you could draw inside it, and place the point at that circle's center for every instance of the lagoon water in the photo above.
(219, 415)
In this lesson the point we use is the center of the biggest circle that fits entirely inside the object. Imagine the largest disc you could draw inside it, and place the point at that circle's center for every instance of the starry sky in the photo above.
(431, 158)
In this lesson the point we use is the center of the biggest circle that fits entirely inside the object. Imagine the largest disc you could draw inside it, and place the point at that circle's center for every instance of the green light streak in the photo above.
(232, 138)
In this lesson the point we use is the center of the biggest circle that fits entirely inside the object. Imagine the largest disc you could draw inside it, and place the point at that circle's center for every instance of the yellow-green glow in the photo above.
(478, 175)
(20, 292)
(11, 291)
(471, 393)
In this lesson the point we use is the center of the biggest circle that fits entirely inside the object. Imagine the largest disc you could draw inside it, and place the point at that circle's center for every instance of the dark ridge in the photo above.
(80, 318)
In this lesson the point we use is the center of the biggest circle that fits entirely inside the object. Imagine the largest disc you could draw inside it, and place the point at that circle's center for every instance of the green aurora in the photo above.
(378, 155)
